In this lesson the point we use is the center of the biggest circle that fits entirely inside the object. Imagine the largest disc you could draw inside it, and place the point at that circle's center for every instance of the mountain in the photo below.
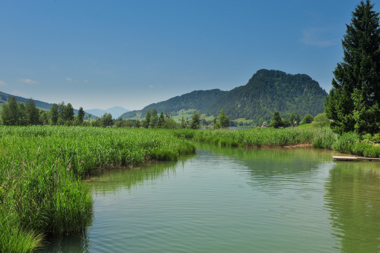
(266, 92)
(269, 91)
(116, 111)
(42, 105)
(198, 100)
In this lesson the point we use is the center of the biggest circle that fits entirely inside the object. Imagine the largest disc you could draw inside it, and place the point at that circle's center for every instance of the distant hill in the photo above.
(194, 100)
(269, 91)
(116, 111)
(266, 92)
(42, 105)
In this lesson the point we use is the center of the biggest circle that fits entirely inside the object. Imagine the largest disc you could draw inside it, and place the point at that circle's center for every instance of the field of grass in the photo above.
(41, 170)
(258, 137)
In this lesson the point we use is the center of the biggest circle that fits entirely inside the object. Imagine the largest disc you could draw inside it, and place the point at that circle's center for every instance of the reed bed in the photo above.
(259, 137)
(350, 143)
(41, 170)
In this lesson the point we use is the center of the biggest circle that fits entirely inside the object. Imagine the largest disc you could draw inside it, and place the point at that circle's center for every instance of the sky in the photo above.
(100, 54)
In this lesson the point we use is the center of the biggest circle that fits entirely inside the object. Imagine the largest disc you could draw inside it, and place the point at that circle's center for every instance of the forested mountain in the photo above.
(266, 92)
(194, 100)
(269, 91)
(42, 105)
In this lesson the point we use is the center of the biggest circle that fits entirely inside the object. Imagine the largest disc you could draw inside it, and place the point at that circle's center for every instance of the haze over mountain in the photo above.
(266, 92)
(115, 111)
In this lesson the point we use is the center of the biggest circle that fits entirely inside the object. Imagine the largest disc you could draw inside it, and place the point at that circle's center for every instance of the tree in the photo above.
(147, 119)
(161, 121)
(353, 102)
(195, 121)
(106, 120)
(54, 114)
(292, 118)
(80, 115)
(153, 118)
(183, 123)
(321, 120)
(307, 119)
(10, 113)
(223, 120)
(32, 114)
(298, 120)
(69, 112)
(44, 117)
(276, 121)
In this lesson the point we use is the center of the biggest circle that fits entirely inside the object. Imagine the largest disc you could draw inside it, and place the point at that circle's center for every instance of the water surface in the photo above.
(236, 200)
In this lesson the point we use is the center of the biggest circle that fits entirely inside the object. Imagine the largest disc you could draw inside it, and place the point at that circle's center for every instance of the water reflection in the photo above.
(108, 184)
(353, 199)
(76, 242)
(114, 180)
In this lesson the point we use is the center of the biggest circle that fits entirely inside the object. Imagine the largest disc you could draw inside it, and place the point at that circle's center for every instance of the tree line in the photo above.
(20, 114)
(294, 120)
(164, 120)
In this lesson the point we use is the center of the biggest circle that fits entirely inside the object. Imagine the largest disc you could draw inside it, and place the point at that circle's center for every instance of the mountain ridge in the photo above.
(266, 91)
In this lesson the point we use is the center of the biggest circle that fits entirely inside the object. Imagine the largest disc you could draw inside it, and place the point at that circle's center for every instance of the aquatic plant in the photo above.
(41, 170)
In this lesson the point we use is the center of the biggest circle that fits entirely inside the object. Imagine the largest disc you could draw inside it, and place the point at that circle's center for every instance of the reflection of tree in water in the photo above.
(353, 199)
(275, 169)
(114, 180)
(275, 161)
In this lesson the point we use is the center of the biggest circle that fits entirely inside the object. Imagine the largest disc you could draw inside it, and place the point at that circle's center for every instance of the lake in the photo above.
(235, 200)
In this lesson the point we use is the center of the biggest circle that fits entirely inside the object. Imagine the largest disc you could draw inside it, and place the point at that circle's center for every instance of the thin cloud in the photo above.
(2, 83)
(312, 37)
(86, 81)
(28, 81)
(69, 79)
(151, 86)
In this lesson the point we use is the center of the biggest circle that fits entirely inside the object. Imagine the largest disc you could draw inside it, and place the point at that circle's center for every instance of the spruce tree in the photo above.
(353, 102)
(81, 114)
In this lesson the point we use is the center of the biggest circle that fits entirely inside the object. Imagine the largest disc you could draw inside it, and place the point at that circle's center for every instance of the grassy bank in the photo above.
(41, 169)
(349, 143)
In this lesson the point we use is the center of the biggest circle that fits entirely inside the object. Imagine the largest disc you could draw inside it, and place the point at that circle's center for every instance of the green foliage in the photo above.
(81, 115)
(346, 142)
(353, 102)
(269, 91)
(195, 121)
(307, 119)
(321, 120)
(223, 121)
(106, 120)
(276, 121)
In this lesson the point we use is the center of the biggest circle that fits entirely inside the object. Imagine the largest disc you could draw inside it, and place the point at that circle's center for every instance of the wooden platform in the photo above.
(353, 158)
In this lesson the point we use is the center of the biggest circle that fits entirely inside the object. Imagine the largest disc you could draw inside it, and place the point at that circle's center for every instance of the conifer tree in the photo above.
(80, 115)
(353, 102)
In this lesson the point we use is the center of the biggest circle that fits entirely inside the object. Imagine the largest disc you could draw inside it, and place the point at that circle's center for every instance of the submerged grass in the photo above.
(41, 170)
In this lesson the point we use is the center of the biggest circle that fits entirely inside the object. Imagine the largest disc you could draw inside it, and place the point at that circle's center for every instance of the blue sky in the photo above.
(99, 54)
